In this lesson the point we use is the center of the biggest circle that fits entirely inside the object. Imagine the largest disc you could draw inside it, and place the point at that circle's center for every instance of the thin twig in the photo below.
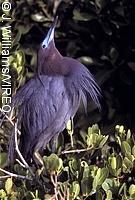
(16, 144)
(54, 182)
(56, 186)
(61, 197)
(57, 192)
(64, 193)
(68, 193)
(6, 176)
(14, 175)
(20, 163)
(76, 150)
(9, 119)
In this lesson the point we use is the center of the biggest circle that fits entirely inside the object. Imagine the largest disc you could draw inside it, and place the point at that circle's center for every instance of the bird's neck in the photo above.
(49, 61)
(55, 55)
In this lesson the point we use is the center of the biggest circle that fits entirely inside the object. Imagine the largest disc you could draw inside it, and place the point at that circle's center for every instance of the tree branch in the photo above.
(76, 150)
(14, 175)
(24, 163)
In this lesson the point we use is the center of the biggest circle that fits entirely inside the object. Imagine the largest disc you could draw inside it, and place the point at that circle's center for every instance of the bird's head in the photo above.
(50, 36)
(48, 55)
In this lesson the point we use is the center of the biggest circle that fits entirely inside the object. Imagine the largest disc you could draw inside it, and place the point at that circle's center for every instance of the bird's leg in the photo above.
(37, 157)
(54, 144)
(70, 129)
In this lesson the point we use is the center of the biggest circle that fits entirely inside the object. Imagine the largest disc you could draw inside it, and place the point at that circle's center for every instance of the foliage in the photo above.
(102, 169)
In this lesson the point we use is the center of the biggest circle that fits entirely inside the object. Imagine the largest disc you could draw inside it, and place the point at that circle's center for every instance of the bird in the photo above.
(52, 97)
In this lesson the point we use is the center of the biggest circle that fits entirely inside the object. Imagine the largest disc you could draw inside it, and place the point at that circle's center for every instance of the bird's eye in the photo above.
(43, 46)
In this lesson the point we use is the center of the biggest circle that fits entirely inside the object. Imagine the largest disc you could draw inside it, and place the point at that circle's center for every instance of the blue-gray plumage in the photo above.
(48, 101)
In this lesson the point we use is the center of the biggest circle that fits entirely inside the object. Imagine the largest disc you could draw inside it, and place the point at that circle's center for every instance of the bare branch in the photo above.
(20, 163)
(76, 150)
(6, 176)
(14, 175)
(24, 163)
(54, 182)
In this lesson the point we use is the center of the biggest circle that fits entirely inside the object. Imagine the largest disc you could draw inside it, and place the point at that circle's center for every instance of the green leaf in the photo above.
(107, 184)
(99, 195)
(86, 60)
(3, 194)
(86, 186)
(103, 175)
(121, 129)
(127, 165)
(86, 172)
(132, 190)
(3, 159)
(94, 139)
(95, 129)
(60, 165)
(38, 17)
(113, 162)
(20, 58)
(133, 151)
(109, 195)
(128, 136)
(103, 141)
(126, 149)
(122, 188)
(8, 185)
(100, 177)
(130, 157)
(53, 163)
(75, 189)
(119, 161)
(90, 140)
(74, 166)
(80, 16)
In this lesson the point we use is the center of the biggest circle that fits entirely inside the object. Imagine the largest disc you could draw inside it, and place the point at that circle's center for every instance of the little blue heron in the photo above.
(52, 97)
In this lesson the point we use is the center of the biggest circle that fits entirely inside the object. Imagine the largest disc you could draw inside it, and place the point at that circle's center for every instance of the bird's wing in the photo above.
(44, 107)
(83, 82)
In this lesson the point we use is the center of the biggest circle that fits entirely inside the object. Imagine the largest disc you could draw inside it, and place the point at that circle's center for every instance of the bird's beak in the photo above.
(50, 34)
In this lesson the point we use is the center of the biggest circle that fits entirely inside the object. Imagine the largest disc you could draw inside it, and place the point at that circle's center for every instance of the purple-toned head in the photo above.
(48, 54)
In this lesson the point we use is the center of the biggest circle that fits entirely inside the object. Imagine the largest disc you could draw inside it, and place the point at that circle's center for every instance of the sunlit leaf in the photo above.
(8, 185)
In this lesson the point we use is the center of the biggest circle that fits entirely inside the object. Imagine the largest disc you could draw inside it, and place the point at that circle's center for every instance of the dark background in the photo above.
(101, 34)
